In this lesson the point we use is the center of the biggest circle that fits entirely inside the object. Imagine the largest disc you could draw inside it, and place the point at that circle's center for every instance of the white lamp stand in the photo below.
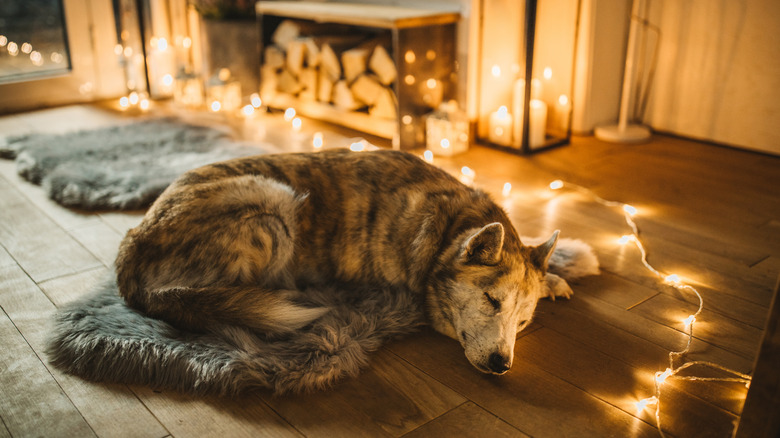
(624, 132)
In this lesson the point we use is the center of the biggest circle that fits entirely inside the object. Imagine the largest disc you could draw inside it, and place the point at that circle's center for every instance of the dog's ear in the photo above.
(484, 247)
(540, 255)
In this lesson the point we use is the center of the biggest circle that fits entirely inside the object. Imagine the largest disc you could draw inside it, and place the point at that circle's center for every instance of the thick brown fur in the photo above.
(234, 242)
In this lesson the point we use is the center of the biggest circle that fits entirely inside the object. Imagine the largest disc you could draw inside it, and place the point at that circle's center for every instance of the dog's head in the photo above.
(485, 290)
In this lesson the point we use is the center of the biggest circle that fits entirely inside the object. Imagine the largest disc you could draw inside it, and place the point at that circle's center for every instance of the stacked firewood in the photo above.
(351, 72)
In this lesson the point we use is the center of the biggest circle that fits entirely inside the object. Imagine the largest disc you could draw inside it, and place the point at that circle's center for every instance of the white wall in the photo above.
(717, 77)
(718, 74)
(601, 49)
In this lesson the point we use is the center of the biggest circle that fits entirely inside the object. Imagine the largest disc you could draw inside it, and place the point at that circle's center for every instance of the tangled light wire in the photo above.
(673, 280)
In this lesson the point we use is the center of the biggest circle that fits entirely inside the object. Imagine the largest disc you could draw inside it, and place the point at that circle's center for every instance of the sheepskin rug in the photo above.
(122, 167)
(100, 338)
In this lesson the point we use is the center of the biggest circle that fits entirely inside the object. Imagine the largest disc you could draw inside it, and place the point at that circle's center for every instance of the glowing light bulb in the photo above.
(563, 100)
(144, 104)
(13, 48)
(133, 98)
(118, 49)
(496, 71)
(467, 171)
(629, 209)
(409, 57)
(357, 146)
(3, 40)
(167, 80)
(289, 114)
(409, 79)
(431, 83)
(642, 404)
(445, 144)
(547, 73)
(627, 238)
(428, 156)
(124, 102)
(162, 44)
(224, 74)
(689, 320)
(26, 48)
(186, 42)
(317, 140)
(674, 278)
(557, 184)
(256, 101)
(216, 106)
(296, 124)
(36, 58)
(660, 378)
(248, 110)
(507, 189)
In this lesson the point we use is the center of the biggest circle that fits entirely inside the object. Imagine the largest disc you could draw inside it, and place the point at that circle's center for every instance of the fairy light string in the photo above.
(468, 175)
(673, 280)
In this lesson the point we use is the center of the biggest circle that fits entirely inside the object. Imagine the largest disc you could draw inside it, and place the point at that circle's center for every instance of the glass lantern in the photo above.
(223, 92)
(447, 130)
(189, 90)
(526, 73)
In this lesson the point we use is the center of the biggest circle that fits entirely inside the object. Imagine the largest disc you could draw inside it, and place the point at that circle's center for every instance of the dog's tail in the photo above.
(573, 259)
(272, 311)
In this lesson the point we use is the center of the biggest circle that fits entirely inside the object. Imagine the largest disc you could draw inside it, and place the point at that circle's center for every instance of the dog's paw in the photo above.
(555, 286)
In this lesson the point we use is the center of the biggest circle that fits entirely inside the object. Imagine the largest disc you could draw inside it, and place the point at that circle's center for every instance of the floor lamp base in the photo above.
(631, 133)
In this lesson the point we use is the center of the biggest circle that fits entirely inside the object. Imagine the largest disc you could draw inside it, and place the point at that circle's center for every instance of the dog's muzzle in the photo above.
(498, 364)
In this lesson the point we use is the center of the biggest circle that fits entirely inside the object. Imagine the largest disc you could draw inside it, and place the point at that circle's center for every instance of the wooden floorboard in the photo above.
(32, 314)
(708, 213)
(390, 398)
(467, 420)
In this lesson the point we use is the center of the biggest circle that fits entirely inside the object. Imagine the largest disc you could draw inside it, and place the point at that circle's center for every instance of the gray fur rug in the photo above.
(122, 167)
(100, 338)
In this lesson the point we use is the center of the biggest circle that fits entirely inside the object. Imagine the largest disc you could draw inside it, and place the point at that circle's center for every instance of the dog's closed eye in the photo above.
(493, 302)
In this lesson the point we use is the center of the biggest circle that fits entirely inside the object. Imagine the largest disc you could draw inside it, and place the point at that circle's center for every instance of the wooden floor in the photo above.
(709, 214)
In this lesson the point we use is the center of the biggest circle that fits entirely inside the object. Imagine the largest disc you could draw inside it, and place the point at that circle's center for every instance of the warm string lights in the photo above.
(629, 212)
(26, 49)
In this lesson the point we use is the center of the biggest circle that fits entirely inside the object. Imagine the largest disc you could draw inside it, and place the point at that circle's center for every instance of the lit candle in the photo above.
(536, 89)
(537, 123)
(518, 100)
(432, 91)
(562, 111)
(501, 127)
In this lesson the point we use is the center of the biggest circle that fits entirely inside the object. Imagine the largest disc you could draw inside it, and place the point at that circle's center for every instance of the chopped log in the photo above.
(343, 97)
(288, 83)
(382, 64)
(354, 62)
(324, 87)
(269, 82)
(367, 88)
(312, 53)
(308, 80)
(274, 56)
(287, 31)
(329, 62)
(385, 106)
(296, 50)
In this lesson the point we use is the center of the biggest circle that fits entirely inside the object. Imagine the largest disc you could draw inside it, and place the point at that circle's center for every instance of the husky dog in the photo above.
(234, 242)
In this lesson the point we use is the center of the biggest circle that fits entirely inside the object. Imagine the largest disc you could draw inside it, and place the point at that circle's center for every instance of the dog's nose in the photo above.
(498, 363)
